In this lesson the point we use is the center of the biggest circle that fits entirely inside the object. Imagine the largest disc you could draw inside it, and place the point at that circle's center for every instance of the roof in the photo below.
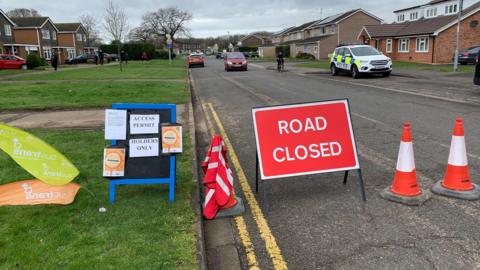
(433, 2)
(419, 27)
(29, 21)
(311, 39)
(283, 31)
(262, 37)
(6, 17)
(68, 27)
(301, 27)
(341, 16)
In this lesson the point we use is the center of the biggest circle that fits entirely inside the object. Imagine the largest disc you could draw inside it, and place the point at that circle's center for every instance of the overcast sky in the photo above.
(220, 17)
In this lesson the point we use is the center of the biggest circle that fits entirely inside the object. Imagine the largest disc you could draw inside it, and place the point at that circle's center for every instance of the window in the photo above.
(413, 16)
(305, 48)
(333, 28)
(8, 30)
(70, 53)
(299, 35)
(79, 37)
(54, 35)
(84, 38)
(389, 46)
(47, 53)
(347, 51)
(322, 31)
(403, 45)
(450, 9)
(401, 18)
(45, 34)
(422, 44)
(432, 12)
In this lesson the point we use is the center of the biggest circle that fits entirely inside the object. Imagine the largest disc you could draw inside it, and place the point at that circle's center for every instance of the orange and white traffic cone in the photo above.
(404, 188)
(456, 182)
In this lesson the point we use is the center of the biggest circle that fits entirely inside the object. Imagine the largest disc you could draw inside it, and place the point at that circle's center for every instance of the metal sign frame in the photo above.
(171, 180)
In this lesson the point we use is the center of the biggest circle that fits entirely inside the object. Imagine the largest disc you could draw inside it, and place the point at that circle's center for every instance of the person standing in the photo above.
(54, 61)
(100, 57)
(476, 79)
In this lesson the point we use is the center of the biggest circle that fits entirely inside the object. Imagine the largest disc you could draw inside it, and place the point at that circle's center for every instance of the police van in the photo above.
(358, 60)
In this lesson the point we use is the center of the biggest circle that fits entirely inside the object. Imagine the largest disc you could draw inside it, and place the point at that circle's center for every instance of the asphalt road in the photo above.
(320, 224)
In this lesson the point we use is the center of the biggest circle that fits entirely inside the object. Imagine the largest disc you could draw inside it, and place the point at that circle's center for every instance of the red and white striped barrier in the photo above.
(218, 179)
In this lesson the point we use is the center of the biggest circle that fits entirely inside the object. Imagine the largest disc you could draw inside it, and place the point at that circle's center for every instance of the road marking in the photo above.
(252, 91)
(265, 232)
(239, 221)
(394, 90)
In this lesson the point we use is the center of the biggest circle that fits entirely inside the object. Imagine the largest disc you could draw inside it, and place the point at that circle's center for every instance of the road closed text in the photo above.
(302, 152)
(304, 139)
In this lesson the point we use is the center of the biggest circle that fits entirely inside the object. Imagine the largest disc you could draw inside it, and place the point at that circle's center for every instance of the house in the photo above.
(34, 34)
(320, 37)
(6, 33)
(427, 36)
(255, 40)
(72, 40)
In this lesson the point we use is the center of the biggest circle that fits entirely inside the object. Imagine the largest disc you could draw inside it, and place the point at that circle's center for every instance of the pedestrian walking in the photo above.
(54, 61)
(124, 57)
(95, 58)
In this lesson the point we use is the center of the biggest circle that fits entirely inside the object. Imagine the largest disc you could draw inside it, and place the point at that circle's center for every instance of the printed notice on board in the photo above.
(115, 124)
(171, 139)
(144, 123)
(113, 162)
(146, 147)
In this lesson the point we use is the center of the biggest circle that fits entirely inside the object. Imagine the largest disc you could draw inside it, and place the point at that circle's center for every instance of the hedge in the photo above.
(285, 49)
(248, 49)
(134, 50)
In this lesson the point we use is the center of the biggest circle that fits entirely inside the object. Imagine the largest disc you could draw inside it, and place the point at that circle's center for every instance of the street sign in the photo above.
(308, 138)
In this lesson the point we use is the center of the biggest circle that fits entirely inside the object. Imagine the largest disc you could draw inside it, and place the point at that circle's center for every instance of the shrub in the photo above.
(134, 50)
(285, 49)
(162, 54)
(302, 55)
(33, 61)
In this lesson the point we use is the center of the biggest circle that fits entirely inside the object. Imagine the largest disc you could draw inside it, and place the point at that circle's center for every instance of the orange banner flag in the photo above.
(32, 192)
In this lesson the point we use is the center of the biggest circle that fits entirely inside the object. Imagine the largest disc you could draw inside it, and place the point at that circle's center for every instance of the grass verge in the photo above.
(89, 94)
(142, 230)
(322, 64)
(436, 68)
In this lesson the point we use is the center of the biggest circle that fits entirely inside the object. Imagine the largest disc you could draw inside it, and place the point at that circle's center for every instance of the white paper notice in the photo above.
(144, 123)
(147, 147)
(115, 124)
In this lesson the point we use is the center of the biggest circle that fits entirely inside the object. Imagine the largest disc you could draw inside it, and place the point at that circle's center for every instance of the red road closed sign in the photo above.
(306, 138)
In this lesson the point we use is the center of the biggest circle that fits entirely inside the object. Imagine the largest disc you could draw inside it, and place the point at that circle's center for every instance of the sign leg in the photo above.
(112, 192)
(256, 175)
(264, 196)
(345, 178)
(362, 187)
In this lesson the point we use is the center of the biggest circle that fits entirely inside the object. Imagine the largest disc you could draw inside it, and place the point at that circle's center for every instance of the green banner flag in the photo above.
(36, 156)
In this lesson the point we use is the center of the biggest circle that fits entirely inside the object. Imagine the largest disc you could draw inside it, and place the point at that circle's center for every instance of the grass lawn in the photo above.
(323, 64)
(142, 230)
(14, 72)
(97, 87)
(437, 68)
(157, 69)
(89, 94)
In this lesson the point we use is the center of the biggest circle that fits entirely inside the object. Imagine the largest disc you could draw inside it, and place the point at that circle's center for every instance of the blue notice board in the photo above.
(146, 170)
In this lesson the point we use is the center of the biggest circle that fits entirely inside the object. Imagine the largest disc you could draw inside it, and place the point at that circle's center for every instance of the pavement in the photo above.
(81, 119)
(315, 222)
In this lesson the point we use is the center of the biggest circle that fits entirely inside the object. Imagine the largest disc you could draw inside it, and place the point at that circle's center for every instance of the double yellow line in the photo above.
(265, 232)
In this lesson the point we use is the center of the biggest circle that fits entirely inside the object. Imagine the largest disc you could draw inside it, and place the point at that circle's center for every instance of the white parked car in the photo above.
(359, 59)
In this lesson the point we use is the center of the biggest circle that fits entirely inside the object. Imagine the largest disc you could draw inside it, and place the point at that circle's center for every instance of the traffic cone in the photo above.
(456, 182)
(404, 188)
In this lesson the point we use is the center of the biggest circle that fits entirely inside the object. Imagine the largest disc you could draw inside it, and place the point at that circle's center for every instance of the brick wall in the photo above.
(445, 42)
(65, 39)
(350, 27)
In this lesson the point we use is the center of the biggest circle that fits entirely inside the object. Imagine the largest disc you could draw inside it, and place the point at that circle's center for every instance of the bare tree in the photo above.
(116, 25)
(90, 24)
(140, 33)
(167, 21)
(23, 12)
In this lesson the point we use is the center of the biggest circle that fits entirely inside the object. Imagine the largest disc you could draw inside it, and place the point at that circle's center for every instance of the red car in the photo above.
(196, 60)
(12, 62)
(235, 60)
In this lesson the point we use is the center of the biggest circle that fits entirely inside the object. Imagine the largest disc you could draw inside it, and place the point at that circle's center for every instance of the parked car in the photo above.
(12, 62)
(196, 59)
(468, 56)
(110, 57)
(80, 59)
(235, 61)
(359, 59)
(476, 79)
(250, 54)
